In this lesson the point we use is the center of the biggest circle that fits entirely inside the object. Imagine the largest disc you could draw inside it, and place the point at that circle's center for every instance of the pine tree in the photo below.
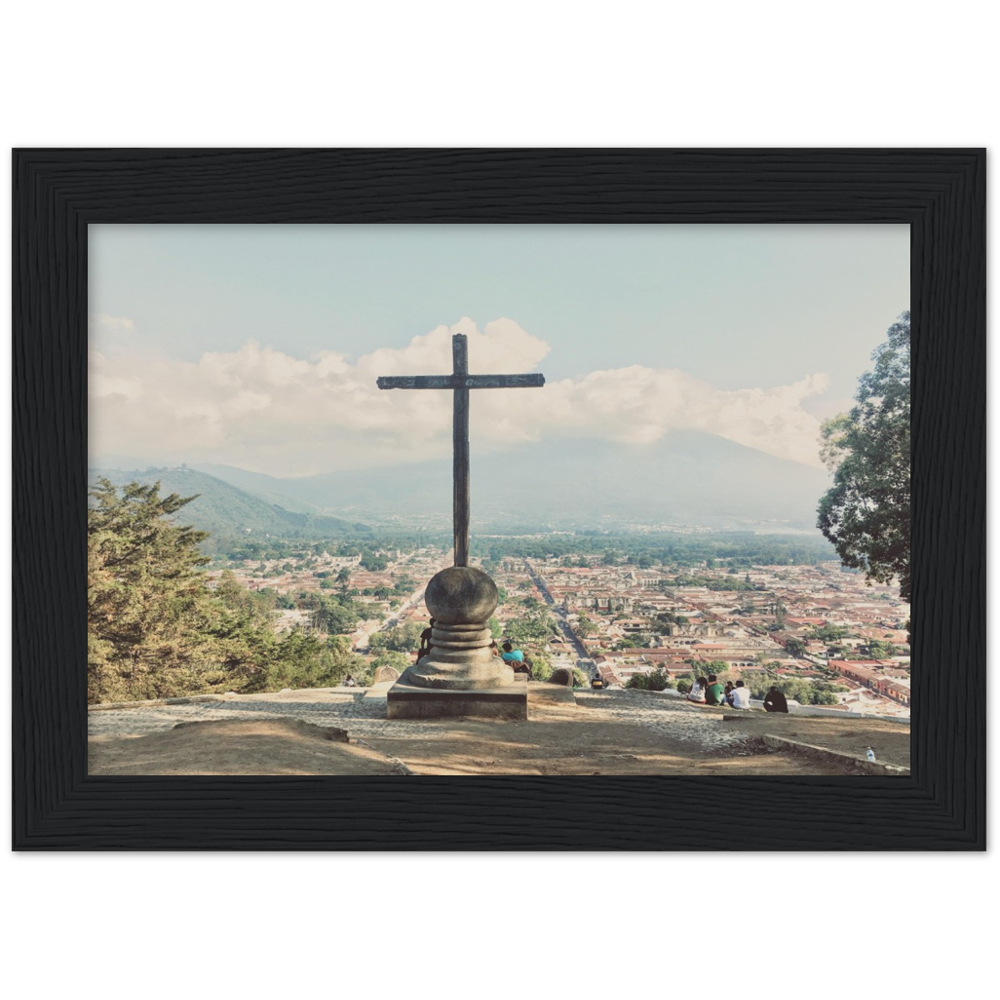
(146, 589)
(155, 629)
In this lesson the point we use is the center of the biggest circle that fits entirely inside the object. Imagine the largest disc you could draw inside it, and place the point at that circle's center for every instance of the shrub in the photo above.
(658, 680)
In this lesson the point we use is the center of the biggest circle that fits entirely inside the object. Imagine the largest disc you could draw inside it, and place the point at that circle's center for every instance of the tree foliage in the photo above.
(829, 633)
(702, 668)
(639, 640)
(879, 650)
(391, 658)
(657, 680)
(146, 588)
(374, 561)
(403, 638)
(154, 627)
(336, 614)
(665, 620)
(541, 664)
(866, 513)
(533, 625)
(799, 689)
(795, 646)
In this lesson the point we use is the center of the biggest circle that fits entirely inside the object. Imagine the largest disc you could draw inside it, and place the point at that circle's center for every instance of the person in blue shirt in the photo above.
(517, 659)
(510, 654)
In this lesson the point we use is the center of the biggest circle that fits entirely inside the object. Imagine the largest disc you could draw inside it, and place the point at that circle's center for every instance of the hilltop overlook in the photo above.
(344, 731)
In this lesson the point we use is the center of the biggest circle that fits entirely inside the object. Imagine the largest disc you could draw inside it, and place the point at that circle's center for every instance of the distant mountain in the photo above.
(228, 512)
(687, 478)
(267, 487)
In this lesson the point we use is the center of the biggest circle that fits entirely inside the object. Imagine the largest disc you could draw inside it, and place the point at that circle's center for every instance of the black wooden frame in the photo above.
(939, 193)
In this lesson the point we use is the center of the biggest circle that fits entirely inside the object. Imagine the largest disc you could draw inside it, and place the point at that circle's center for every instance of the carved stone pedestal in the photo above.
(461, 675)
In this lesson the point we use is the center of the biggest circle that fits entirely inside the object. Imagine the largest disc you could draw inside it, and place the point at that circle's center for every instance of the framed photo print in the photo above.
(499, 499)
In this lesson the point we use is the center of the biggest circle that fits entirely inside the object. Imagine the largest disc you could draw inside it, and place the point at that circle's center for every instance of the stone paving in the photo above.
(671, 718)
(364, 717)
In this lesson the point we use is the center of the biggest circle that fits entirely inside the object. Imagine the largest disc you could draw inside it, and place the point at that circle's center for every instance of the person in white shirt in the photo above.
(740, 696)
(697, 692)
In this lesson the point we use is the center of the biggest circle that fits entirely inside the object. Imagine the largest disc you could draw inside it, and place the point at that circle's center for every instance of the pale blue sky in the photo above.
(746, 313)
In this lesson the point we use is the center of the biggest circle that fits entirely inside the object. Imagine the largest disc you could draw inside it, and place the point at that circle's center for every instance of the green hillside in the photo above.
(227, 512)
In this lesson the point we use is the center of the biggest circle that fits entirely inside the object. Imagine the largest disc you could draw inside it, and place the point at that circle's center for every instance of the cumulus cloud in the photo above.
(266, 410)
(638, 405)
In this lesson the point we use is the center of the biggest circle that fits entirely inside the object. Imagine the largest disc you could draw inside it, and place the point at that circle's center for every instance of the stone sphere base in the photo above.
(461, 600)
(461, 595)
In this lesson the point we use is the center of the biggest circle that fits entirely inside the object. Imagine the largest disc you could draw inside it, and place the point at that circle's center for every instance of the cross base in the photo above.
(461, 658)
(406, 701)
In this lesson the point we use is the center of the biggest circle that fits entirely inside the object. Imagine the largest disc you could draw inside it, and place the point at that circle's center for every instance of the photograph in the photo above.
(671, 536)
(340, 468)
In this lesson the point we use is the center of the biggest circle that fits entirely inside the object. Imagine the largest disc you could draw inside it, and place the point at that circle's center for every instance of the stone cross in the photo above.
(460, 381)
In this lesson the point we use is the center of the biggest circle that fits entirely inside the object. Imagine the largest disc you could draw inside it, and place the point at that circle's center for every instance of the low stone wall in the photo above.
(822, 753)
(190, 700)
(193, 699)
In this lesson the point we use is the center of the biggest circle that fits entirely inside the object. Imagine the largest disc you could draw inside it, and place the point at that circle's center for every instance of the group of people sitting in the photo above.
(507, 652)
(708, 691)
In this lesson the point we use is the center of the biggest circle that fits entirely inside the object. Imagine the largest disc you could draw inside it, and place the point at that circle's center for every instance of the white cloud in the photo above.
(263, 409)
(638, 405)
(103, 325)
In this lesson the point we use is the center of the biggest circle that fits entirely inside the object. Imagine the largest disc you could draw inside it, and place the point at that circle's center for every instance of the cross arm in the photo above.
(460, 381)
(418, 382)
(504, 381)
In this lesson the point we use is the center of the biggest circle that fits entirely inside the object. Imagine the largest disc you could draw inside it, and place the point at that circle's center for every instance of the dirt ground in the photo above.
(563, 738)
(889, 740)
(270, 746)
(593, 734)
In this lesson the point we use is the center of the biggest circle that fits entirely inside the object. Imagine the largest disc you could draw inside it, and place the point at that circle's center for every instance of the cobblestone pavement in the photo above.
(360, 716)
(365, 717)
(671, 718)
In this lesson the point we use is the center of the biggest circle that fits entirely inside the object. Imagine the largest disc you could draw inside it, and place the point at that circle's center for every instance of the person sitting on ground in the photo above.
(775, 701)
(713, 693)
(697, 692)
(597, 682)
(349, 681)
(740, 696)
(521, 666)
(527, 666)
(727, 695)
(510, 653)
(425, 640)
